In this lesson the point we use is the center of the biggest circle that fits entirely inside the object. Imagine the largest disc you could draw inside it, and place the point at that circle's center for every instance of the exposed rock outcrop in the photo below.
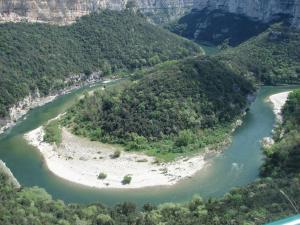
(6, 171)
(267, 142)
(66, 11)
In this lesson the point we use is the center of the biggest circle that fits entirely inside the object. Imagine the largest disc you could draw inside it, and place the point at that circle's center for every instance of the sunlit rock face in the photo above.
(66, 11)
(55, 11)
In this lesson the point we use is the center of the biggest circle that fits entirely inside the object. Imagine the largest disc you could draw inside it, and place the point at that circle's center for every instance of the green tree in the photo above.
(184, 138)
(103, 219)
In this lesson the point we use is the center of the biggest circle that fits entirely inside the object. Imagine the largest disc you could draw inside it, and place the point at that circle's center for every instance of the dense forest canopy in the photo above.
(177, 100)
(41, 56)
(273, 57)
(265, 200)
(270, 53)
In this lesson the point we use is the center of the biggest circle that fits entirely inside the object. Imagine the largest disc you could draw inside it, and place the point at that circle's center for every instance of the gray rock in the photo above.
(5, 170)
(66, 11)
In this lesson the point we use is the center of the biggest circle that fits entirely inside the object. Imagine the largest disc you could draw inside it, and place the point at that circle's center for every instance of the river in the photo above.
(237, 166)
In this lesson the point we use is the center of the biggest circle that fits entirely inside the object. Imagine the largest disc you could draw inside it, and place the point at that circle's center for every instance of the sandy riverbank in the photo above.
(80, 160)
(278, 101)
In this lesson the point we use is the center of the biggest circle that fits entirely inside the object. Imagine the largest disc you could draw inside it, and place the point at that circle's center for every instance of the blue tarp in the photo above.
(294, 220)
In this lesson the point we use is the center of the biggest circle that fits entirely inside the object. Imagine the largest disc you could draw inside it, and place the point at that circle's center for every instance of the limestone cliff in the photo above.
(66, 11)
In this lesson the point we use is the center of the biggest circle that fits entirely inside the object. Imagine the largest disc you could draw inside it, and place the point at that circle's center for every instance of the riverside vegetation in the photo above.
(260, 202)
(282, 159)
(42, 56)
(53, 132)
(172, 109)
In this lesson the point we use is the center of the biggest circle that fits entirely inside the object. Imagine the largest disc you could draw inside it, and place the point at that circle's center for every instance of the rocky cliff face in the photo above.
(66, 11)
(260, 10)
(10, 177)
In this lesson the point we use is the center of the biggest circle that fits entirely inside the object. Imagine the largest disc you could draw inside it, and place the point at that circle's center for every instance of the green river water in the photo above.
(237, 166)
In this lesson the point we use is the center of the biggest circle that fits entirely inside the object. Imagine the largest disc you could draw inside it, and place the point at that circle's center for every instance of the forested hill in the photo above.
(273, 57)
(42, 56)
(177, 100)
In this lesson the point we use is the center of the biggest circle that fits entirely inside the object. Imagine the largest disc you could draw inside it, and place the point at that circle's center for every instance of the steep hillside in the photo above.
(259, 10)
(282, 159)
(178, 101)
(273, 57)
(41, 56)
(217, 26)
(234, 21)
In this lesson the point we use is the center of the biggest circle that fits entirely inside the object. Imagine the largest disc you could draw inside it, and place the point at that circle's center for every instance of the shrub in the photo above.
(185, 137)
(126, 179)
(52, 132)
(102, 176)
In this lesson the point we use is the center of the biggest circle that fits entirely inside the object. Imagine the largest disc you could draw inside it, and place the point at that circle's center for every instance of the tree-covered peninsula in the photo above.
(176, 107)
